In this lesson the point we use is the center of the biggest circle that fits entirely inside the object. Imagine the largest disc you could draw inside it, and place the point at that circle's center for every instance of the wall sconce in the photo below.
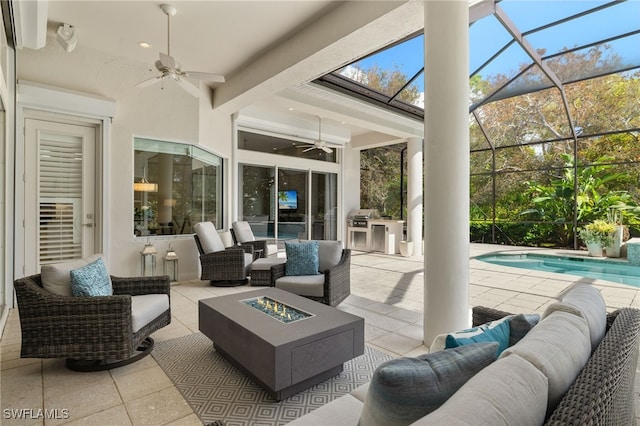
(171, 264)
(148, 260)
(144, 185)
(67, 37)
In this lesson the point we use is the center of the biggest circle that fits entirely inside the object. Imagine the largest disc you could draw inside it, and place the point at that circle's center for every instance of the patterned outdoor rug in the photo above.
(216, 390)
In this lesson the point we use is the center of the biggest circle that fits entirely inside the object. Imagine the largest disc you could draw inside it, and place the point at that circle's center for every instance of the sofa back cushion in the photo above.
(209, 238)
(586, 301)
(511, 391)
(56, 278)
(243, 231)
(329, 254)
(403, 390)
(559, 346)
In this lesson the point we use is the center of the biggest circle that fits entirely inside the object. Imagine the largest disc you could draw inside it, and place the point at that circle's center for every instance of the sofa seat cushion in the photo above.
(248, 259)
(303, 285)
(586, 301)
(56, 278)
(559, 346)
(403, 390)
(147, 307)
(329, 254)
(209, 238)
(511, 391)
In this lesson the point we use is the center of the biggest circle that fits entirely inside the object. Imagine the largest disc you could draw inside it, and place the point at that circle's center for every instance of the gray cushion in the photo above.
(303, 285)
(559, 346)
(243, 232)
(586, 301)
(147, 307)
(227, 238)
(520, 325)
(329, 254)
(209, 238)
(405, 389)
(508, 392)
(56, 278)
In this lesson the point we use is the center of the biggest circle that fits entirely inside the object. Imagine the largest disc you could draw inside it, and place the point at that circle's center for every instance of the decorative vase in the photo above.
(595, 249)
(613, 250)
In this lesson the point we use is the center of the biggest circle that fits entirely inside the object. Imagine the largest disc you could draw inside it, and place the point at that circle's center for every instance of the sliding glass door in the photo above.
(288, 204)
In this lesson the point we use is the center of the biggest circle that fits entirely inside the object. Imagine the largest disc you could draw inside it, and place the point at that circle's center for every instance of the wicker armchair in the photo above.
(93, 333)
(222, 266)
(336, 281)
(243, 234)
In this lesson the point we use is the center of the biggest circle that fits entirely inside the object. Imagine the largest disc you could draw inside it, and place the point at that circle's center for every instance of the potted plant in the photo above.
(614, 216)
(597, 235)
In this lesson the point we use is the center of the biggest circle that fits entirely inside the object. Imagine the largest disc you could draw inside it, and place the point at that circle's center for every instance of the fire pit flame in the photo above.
(276, 309)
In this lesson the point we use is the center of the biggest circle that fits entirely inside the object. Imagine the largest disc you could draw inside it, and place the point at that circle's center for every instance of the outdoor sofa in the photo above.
(576, 366)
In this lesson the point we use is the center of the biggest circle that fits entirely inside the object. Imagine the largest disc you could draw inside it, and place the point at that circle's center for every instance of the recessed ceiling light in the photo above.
(144, 45)
(290, 108)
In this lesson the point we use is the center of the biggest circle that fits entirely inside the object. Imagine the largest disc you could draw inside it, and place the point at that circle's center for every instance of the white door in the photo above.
(60, 176)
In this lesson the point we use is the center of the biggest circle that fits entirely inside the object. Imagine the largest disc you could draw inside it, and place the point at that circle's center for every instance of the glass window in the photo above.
(175, 186)
(281, 146)
(256, 201)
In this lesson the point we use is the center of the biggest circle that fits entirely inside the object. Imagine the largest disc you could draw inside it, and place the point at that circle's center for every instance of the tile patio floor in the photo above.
(386, 290)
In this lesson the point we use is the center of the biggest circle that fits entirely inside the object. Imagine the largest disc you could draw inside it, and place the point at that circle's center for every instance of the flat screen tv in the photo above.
(288, 200)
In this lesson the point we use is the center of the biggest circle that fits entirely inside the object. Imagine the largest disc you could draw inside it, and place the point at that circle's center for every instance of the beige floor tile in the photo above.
(158, 408)
(133, 384)
(111, 416)
(190, 420)
(396, 343)
(83, 400)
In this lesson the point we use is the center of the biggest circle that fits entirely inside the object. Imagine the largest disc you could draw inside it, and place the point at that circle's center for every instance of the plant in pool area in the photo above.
(599, 232)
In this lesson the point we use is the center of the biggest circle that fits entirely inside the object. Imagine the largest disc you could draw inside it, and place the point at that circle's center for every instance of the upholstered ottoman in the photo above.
(261, 270)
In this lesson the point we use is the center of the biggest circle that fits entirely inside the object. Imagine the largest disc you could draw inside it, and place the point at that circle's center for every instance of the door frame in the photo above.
(49, 103)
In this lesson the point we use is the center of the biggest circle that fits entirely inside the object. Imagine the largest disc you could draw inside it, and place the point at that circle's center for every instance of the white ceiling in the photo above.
(209, 36)
(219, 37)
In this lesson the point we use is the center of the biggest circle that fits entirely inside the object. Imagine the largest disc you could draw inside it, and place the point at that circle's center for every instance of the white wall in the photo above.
(167, 113)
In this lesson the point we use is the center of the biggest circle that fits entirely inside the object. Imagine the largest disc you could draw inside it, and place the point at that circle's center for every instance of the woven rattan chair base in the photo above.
(229, 283)
(88, 365)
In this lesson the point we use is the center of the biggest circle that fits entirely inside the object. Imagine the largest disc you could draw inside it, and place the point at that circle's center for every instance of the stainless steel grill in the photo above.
(360, 218)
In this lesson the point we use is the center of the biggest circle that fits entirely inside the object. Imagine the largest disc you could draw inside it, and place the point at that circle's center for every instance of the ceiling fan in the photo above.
(319, 143)
(169, 68)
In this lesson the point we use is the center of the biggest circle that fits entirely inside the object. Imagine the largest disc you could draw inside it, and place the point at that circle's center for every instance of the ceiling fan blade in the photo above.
(309, 149)
(204, 76)
(167, 61)
(149, 82)
(325, 149)
(193, 90)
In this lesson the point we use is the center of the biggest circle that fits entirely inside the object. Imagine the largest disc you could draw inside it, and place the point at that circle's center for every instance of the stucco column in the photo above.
(414, 195)
(446, 257)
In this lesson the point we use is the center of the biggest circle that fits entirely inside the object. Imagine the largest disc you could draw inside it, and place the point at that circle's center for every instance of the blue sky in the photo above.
(487, 36)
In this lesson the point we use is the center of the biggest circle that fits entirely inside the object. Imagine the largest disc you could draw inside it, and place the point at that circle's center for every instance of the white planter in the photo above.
(406, 248)
(595, 249)
(613, 250)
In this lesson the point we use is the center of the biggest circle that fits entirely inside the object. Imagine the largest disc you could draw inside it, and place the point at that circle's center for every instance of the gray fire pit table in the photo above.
(283, 358)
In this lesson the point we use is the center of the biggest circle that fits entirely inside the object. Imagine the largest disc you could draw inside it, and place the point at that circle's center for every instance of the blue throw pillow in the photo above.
(496, 331)
(302, 258)
(91, 280)
(404, 390)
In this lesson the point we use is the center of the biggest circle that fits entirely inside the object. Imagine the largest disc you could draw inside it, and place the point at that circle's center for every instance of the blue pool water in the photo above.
(611, 270)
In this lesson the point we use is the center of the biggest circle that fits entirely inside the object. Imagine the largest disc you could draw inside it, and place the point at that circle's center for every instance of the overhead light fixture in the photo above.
(67, 37)
(144, 185)
(144, 45)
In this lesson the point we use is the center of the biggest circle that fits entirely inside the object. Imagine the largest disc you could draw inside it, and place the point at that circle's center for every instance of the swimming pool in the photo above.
(603, 269)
